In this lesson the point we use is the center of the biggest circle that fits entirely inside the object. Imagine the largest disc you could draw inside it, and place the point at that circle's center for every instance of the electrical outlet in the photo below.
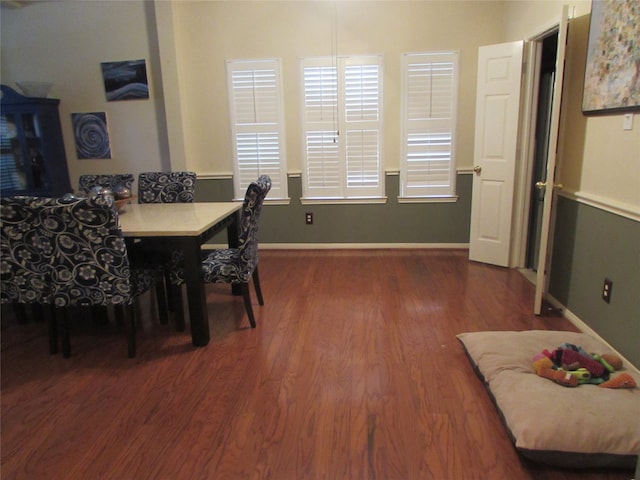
(606, 290)
(308, 218)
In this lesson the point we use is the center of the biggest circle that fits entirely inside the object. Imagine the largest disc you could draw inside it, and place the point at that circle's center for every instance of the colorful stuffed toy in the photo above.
(570, 365)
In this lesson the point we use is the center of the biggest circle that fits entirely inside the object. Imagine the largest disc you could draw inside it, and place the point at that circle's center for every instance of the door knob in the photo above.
(477, 169)
(543, 185)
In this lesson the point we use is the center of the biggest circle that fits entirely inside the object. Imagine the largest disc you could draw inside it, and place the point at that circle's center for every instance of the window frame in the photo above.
(269, 136)
(429, 133)
(337, 117)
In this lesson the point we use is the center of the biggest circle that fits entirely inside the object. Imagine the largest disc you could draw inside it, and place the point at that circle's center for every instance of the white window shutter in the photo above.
(362, 127)
(429, 122)
(342, 127)
(257, 124)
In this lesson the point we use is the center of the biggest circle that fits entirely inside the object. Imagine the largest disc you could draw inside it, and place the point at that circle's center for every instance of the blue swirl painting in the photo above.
(91, 134)
(125, 80)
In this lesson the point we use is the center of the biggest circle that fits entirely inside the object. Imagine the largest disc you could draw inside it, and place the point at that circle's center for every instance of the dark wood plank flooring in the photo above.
(354, 372)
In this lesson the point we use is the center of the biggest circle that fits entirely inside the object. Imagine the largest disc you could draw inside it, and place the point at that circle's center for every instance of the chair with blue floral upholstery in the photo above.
(237, 266)
(166, 187)
(24, 266)
(90, 263)
(112, 182)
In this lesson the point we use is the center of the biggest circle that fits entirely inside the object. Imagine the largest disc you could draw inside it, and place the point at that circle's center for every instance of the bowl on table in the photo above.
(121, 203)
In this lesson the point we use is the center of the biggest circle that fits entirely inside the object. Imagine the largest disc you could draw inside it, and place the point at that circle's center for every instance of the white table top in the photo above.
(173, 219)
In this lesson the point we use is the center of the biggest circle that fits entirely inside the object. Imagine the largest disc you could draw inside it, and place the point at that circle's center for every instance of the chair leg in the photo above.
(53, 330)
(256, 284)
(131, 330)
(66, 343)
(176, 294)
(161, 298)
(170, 293)
(246, 296)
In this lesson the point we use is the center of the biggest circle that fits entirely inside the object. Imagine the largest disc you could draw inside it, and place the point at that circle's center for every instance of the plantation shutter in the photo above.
(429, 120)
(257, 124)
(342, 127)
(323, 169)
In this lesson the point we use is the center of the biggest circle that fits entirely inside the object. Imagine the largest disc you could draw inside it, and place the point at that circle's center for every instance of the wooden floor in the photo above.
(354, 372)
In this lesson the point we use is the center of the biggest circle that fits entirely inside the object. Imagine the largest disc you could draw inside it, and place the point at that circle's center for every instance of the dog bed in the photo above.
(582, 427)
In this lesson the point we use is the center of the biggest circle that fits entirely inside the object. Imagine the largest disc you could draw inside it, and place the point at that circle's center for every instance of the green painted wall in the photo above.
(388, 223)
(591, 244)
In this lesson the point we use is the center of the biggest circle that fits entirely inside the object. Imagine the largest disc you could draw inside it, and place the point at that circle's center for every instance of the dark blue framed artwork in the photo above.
(91, 135)
(125, 80)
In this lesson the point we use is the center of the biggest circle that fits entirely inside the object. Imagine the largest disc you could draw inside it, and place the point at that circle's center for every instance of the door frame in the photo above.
(524, 169)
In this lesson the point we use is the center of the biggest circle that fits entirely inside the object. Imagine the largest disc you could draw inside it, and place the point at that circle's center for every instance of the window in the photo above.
(429, 104)
(342, 128)
(257, 124)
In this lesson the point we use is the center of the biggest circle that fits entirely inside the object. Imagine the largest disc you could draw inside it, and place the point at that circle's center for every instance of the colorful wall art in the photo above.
(612, 73)
(125, 80)
(91, 135)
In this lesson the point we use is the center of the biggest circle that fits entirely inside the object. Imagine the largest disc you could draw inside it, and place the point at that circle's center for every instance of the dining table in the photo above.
(185, 227)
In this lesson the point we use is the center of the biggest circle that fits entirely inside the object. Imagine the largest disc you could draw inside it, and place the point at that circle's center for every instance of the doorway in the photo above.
(546, 79)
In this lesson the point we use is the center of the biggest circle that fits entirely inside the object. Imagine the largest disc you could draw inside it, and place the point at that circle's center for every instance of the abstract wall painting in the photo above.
(125, 80)
(612, 73)
(91, 135)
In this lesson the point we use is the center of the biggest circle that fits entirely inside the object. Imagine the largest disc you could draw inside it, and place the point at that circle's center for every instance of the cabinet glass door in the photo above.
(22, 165)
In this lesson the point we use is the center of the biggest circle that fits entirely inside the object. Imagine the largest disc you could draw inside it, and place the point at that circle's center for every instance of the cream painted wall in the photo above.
(598, 162)
(208, 33)
(64, 42)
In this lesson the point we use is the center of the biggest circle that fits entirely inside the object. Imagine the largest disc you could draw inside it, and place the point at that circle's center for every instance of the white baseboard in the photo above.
(583, 327)
(360, 246)
(349, 246)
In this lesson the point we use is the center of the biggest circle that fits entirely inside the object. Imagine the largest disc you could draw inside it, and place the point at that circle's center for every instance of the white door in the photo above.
(496, 135)
(546, 233)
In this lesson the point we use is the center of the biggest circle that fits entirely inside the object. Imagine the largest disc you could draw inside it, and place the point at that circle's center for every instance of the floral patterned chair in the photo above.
(237, 266)
(87, 182)
(90, 264)
(166, 187)
(24, 266)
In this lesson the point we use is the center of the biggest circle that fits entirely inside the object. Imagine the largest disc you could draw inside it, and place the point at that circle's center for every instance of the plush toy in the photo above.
(544, 367)
(623, 380)
(570, 365)
(596, 369)
(614, 361)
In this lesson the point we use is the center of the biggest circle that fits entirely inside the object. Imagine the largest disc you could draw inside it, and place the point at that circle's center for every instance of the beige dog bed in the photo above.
(582, 427)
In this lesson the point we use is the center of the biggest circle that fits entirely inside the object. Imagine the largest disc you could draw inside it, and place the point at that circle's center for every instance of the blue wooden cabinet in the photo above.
(32, 156)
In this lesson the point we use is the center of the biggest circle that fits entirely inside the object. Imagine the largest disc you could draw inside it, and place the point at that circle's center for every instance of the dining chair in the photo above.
(90, 265)
(237, 266)
(87, 182)
(166, 187)
(24, 265)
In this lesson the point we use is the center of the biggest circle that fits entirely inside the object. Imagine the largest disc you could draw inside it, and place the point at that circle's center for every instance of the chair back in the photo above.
(166, 187)
(90, 264)
(24, 265)
(87, 182)
(250, 217)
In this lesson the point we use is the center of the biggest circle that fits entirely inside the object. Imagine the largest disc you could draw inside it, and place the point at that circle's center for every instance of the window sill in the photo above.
(442, 199)
(343, 201)
(270, 201)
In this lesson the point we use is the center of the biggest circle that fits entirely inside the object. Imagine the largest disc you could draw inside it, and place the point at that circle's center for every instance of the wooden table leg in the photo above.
(196, 297)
